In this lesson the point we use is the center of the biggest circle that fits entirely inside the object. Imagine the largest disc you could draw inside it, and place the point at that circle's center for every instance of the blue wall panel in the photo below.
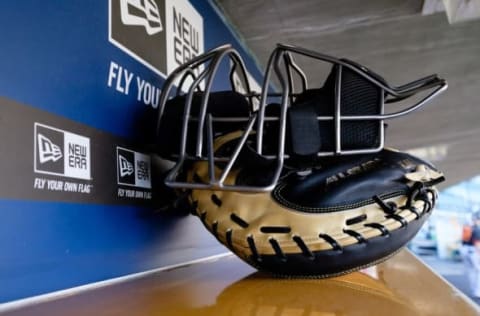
(55, 57)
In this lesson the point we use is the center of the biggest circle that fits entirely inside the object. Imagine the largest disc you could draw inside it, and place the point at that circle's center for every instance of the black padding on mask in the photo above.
(365, 69)
(358, 97)
(220, 104)
(304, 130)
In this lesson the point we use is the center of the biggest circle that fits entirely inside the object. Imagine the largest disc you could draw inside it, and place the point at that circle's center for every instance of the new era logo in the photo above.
(47, 150)
(141, 13)
(160, 34)
(62, 153)
(126, 167)
(133, 168)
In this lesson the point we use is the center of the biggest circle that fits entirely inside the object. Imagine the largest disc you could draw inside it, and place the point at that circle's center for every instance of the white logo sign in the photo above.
(126, 168)
(62, 153)
(184, 34)
(48, 151)
(142, 13)
(172, 32)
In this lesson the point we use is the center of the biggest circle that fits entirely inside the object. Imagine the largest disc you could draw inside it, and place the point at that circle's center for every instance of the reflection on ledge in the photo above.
(353, 294)
(401, 285)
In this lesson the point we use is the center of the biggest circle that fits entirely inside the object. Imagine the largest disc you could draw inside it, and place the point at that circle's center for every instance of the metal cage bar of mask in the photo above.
(284, 67)
(283, 53)
(211, 60)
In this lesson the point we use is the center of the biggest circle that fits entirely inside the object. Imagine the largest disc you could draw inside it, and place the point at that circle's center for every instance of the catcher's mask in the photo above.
(270, 129)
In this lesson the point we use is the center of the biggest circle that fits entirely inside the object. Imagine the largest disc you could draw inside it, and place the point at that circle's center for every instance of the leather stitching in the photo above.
(277, 194)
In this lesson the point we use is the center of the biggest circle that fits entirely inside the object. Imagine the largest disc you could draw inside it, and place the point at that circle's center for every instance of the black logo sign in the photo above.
(125, 170)
(161, 34)
(137, 26)
(133, 168)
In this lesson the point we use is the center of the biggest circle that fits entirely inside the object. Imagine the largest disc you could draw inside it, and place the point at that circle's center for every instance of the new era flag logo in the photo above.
(142, 13)
(133, 168)
(160, 34)
(126, 167)
(48, 151)
(62, 153)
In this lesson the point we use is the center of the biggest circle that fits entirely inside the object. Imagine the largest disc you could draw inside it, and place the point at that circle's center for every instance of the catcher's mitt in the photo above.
(349, 213)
